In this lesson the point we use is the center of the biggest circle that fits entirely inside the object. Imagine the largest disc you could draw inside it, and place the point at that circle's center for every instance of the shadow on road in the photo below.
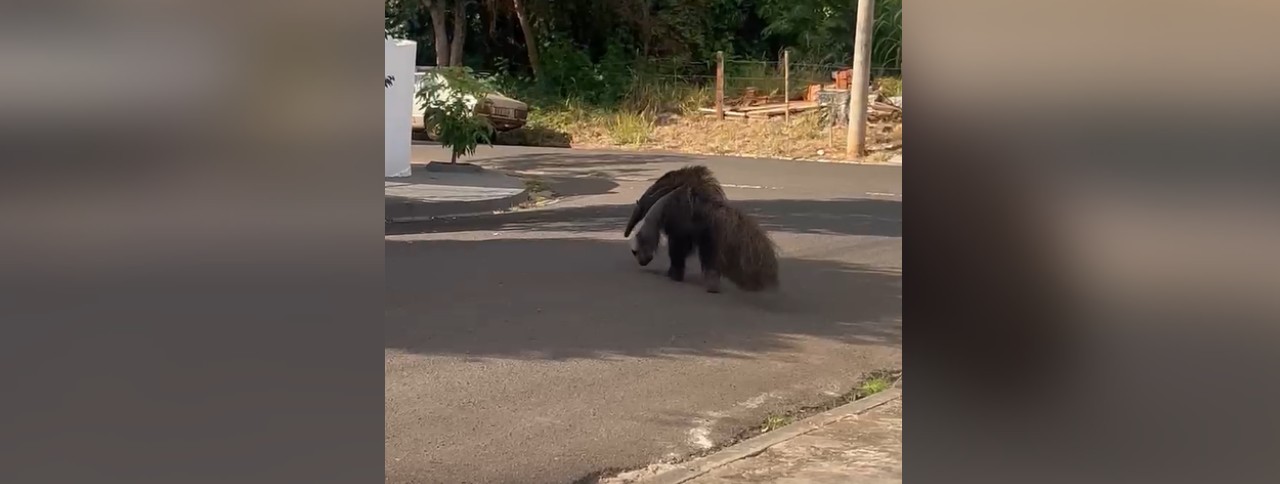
(613, 164)
(534, 136)
(858, 216)
(583, 298)
(572, 186)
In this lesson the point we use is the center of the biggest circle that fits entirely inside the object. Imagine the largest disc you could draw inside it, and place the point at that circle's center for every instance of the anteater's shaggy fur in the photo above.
(697, 177)
(696, 216)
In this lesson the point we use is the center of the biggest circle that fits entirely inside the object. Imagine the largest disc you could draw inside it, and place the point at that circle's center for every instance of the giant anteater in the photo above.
(695, 215)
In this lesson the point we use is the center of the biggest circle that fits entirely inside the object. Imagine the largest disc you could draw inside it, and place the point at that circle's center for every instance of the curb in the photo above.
(756, 445)
(402, 210)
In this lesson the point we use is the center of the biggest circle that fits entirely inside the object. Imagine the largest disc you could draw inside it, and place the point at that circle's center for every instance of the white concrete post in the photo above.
(397, 127)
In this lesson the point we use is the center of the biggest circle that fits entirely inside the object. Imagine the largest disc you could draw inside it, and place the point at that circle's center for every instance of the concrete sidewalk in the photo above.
(428, 192)
(858, 443)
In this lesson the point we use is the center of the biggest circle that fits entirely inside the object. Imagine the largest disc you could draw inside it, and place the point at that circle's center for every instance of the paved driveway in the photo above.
(531, 348)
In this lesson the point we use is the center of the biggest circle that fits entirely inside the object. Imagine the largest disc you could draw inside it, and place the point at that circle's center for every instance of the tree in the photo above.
(448, 48)
(459, 32)
(519, 9)
(520, 35)
(822, 30)
(450, 97)
(437, 10)
(530, 35)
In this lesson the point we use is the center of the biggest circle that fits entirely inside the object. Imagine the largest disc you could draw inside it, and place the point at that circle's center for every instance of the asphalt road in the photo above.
(531, 348)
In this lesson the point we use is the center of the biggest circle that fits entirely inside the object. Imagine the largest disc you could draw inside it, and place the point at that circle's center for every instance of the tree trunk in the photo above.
(436, 9)
(459, 31)
(646, 28)
(492, 17)
(530, 37)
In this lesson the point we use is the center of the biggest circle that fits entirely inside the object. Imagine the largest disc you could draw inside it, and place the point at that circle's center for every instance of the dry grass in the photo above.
(634, 125)
(806, 136)
(889, 86)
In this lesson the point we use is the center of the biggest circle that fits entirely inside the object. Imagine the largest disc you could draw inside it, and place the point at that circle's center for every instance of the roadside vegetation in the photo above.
(870, 384)
(633, 73)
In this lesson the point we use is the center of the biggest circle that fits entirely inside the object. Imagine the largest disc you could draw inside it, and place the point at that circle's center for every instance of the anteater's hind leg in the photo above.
(707, 256)
(678, 250)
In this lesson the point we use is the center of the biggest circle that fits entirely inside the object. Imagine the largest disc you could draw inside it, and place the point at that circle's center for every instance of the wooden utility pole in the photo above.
(786, 83)
(719, 84)
(860, 77)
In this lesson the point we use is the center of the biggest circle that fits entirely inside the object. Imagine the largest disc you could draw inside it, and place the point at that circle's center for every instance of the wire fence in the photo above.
(767, 74)
(631, 100)
(759, 85)
(745, 81)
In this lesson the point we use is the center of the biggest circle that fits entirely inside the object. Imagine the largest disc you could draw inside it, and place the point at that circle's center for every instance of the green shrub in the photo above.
(450, 102)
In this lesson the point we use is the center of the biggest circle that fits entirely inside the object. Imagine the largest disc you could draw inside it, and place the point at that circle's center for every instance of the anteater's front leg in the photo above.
(678, 250)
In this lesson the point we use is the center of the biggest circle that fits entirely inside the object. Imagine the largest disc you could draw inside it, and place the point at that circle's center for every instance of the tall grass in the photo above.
(626, 128)
(652, 95)
(886, 35)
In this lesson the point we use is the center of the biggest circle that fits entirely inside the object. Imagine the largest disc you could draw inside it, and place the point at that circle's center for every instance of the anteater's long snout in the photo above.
(643, 258)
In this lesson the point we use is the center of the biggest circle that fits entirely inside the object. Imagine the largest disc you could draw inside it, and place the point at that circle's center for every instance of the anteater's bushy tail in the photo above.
(744, 252)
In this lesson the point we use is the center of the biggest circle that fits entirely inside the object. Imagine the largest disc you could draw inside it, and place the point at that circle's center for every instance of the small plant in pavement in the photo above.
(535, 185)
(870, 384)
(775, 422)
(873, 385)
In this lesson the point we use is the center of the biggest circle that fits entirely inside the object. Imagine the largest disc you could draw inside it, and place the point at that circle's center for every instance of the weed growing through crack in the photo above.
(540, 194)
(873, 385)
(535, 185)
(870, 384)
(775, 422)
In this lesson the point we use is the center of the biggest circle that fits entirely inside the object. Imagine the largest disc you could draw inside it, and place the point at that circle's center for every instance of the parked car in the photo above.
(504, 113)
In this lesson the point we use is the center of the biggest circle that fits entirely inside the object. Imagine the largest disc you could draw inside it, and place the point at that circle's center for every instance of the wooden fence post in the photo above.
(786, 83)
(720, 84)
